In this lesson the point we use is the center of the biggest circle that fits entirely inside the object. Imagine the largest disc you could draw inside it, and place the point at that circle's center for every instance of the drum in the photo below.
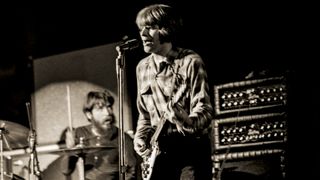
(55, 171)
(12, 177)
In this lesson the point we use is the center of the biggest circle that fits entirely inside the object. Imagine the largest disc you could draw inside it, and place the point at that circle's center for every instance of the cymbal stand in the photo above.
(34, 172)
(1, 151)
(80, 163)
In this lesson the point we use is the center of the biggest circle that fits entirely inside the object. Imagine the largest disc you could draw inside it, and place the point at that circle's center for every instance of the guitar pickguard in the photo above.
(148, 162)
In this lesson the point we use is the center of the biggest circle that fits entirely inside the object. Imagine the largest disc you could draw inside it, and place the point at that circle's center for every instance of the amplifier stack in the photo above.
(250, 121)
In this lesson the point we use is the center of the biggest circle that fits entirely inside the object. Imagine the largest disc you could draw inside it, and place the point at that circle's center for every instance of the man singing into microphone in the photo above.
(172, 88)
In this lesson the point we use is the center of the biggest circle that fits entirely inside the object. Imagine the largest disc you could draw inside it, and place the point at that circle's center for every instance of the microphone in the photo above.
(128, 45)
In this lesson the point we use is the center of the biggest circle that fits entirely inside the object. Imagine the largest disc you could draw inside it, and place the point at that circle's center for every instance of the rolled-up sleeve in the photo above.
(201, 110)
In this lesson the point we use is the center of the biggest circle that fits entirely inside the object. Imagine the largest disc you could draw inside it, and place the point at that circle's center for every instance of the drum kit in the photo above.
(12, 136)
(15, 136)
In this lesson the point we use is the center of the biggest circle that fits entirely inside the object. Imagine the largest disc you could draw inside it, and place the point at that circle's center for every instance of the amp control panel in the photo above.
(254, 130)
(250, 95)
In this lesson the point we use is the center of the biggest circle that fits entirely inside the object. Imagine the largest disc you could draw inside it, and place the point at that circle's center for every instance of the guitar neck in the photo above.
(156, 134)
(175, 99)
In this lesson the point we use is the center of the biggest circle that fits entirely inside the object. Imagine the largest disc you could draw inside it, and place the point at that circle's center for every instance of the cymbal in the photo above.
(14, 135)
(12, 176)
(84, 149)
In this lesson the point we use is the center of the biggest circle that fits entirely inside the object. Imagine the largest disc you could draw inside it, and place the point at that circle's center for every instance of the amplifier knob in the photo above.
(235, 130)
(281, 125)
(275, 126)
(223, 132)
(282, 134)
(268, 126)
(235, 139)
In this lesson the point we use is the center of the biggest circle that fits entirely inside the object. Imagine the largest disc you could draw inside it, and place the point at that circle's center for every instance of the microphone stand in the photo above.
(34, 173)
(120, 63)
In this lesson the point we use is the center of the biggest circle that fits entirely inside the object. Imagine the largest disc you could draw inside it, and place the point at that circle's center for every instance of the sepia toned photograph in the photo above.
(158, 90)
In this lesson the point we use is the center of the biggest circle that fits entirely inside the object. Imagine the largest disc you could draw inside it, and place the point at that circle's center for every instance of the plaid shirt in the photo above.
(156, 89)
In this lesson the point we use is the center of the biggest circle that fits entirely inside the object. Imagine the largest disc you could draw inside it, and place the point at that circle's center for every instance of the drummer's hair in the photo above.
(100, 98)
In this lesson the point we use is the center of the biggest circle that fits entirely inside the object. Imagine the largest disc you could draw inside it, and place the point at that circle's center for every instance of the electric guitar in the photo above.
(149, 160)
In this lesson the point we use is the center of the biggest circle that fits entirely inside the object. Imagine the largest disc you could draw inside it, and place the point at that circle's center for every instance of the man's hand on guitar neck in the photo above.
(177, 115)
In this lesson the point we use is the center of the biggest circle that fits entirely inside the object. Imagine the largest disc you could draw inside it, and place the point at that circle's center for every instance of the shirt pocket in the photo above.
(146, 94)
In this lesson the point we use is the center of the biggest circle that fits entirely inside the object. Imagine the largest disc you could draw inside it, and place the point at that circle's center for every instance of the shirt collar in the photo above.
(170, 57)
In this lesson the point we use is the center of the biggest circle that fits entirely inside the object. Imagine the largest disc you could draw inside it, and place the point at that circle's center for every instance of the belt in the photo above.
(172, 130)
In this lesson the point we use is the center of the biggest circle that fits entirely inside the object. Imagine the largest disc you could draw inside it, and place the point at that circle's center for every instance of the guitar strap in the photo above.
(159, 96)
(157, 92)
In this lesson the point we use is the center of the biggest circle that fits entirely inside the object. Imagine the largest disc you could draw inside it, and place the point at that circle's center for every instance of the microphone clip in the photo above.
(128, 45)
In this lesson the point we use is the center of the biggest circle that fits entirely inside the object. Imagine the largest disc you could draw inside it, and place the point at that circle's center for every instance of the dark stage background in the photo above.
(234, 39)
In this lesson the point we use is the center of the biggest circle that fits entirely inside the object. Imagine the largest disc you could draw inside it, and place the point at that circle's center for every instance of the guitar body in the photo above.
(148, 162)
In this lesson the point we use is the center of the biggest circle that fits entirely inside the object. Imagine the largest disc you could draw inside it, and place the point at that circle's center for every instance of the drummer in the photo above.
(100, 163)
